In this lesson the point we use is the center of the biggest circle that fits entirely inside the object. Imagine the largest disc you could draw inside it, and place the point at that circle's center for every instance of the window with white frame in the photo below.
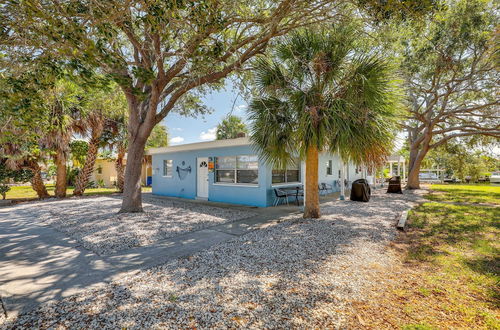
(329, 167)
(237, 169)
(289, 175)
(167, 167)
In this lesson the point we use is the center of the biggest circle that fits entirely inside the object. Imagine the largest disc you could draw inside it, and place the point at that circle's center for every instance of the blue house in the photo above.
(230, 171)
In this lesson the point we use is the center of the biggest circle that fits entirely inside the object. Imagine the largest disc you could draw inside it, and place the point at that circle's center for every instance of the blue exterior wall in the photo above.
(260, 195)
(253, 195)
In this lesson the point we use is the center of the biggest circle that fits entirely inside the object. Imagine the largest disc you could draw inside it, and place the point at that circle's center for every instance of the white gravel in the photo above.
(298, 273)
(97, 225)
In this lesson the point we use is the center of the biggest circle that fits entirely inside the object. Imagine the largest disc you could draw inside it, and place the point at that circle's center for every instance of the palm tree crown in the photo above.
(317, 90)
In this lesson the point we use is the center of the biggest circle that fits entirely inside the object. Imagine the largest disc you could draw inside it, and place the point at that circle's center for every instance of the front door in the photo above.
(202, 178)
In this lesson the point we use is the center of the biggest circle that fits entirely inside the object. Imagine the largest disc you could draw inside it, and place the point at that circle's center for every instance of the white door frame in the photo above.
(202, 182)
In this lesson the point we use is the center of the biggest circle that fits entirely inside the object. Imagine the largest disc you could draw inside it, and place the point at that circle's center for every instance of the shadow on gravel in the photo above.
(298, 273)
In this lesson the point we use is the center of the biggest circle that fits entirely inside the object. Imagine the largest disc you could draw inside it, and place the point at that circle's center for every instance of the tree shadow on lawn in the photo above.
(464, 233)
(297, 273)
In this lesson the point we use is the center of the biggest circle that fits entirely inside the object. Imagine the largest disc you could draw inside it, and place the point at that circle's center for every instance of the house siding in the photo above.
(187, 188)
(260, 195)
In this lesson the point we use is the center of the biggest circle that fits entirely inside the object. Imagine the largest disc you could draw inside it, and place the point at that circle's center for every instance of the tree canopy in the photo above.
(450, 66)
(158, 137)
(231, 127)
(317, 91)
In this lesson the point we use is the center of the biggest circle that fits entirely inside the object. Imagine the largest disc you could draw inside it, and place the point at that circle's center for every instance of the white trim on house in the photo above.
(201, 145)
(246, 185)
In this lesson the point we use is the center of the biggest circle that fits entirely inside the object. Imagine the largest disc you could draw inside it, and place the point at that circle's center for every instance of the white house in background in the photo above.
(231, 171)
(397, 166)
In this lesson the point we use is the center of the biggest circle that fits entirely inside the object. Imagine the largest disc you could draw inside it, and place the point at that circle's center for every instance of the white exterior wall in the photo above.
(323, 163)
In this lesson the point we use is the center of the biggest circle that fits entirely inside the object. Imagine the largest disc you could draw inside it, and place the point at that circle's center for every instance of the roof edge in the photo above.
(243, 141)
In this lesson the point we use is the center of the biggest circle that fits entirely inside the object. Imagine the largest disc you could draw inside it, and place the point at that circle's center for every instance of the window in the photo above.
(237, 169)
(99, 170)
(329, 167)
(288, 175)
(167, 167)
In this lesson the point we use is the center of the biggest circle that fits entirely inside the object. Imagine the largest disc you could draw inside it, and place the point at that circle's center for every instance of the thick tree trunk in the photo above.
(84, 176)
(132, 199)
(120, 168)
(311, 209)
(61, 182)
(37, 181)
(416, 159)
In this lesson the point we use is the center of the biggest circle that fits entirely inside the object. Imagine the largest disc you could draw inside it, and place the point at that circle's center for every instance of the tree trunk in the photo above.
(84, 176)
(414, 168)
(61, 182)
(311, 209)
(132, 199)
(120, 168)
(37, 181)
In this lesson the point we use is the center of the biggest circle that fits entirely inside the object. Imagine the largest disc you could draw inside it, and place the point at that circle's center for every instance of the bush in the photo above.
(3, 190)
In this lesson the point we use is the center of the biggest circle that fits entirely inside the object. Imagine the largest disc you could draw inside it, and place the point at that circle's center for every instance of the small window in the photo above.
(99, 170)
(289, 175)
(340, 174)
(329, 167)
(167, 167)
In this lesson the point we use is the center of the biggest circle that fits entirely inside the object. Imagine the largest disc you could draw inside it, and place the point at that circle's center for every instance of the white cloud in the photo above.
(208, 135)
(178, 129)
(177, 139)
(240, 108)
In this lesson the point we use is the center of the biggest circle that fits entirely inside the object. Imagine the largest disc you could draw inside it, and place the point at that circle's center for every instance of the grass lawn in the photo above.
(22, 192)
(468, 193)
(450, 266)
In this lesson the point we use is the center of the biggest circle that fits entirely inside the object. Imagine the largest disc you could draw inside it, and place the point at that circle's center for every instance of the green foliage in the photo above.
(158, 137)
(71, 174)
(317, 89)
(230, 128)
(3, 190)
(462, 159)
(100, 183)
(78, 150)
(399, 9)
(20, 175)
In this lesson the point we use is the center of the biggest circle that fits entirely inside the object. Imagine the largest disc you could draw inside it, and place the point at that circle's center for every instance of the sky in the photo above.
(184, 130)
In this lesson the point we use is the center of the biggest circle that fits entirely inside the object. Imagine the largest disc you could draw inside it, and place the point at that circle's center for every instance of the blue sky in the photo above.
(184, 130)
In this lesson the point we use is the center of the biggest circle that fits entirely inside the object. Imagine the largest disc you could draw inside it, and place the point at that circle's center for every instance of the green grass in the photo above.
(26, 192)
(460, 247)
(463, 193)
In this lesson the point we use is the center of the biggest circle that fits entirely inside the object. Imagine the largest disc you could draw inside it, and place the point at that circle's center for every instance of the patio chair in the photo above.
(325, 187)
(280, 196)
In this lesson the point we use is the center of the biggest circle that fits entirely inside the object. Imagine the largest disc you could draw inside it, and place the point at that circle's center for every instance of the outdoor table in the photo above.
(296, 189)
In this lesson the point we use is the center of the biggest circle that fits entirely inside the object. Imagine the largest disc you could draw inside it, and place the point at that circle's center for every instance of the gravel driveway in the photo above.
(97, 225)
(298, 273)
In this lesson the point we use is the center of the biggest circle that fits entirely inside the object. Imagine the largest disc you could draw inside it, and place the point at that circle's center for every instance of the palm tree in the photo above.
(24, 154)
(94, 122)
(317, 93)
(231, 127)
(104, 111)
(64, 101)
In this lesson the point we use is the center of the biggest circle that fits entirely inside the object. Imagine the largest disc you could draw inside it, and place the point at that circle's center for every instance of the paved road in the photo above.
(39, 264)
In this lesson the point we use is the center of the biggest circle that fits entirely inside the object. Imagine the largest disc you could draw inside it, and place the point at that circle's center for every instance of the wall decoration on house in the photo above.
(211, 164)
(183, 171)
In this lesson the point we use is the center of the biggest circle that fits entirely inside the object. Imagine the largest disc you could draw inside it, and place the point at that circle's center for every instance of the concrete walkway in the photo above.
(39, 264)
